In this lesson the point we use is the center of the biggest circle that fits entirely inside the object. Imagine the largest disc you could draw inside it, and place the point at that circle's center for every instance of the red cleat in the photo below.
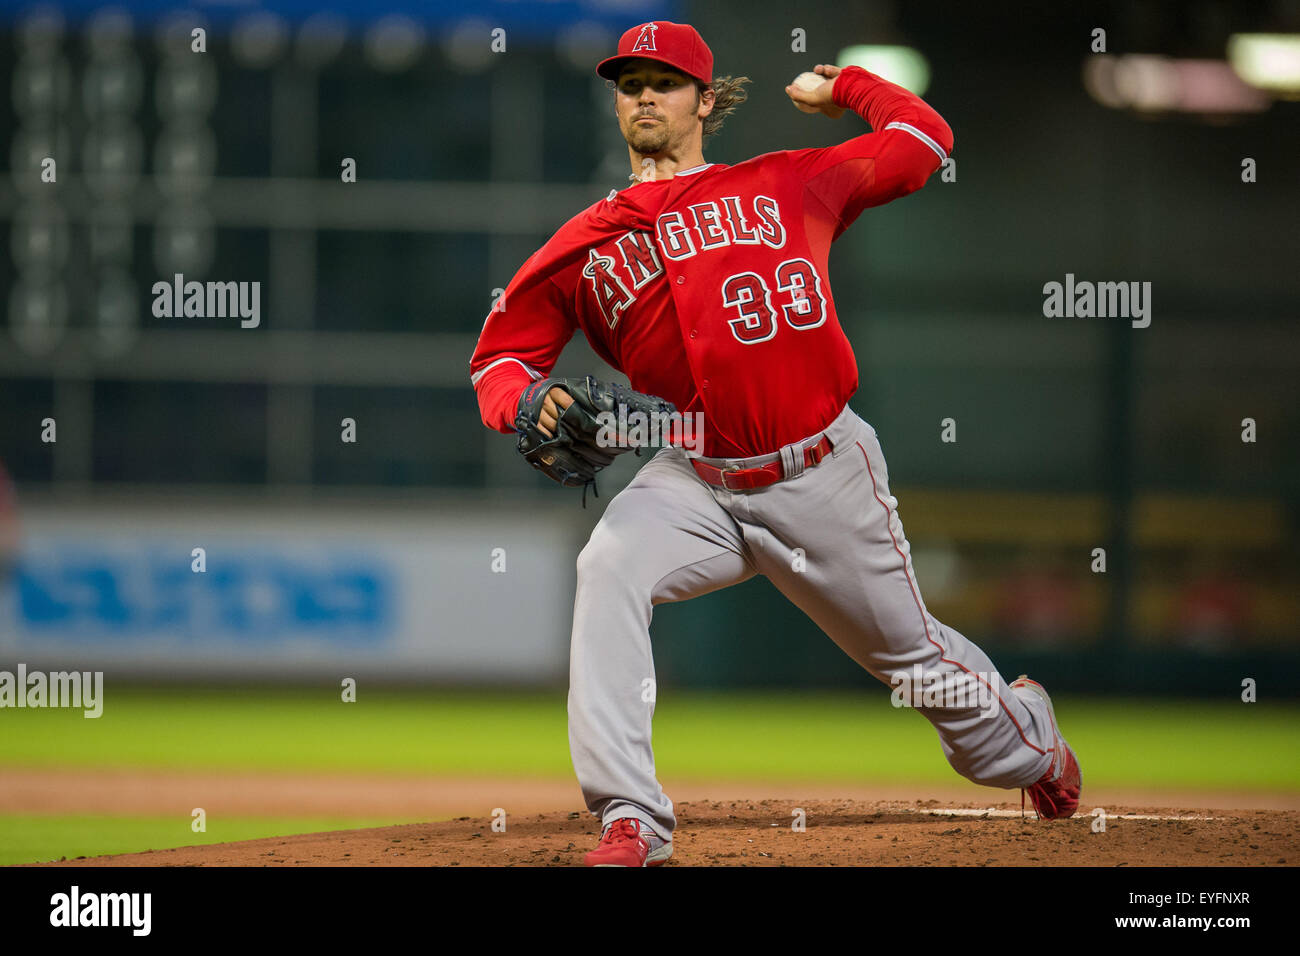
(629, 842)
(1056, 795)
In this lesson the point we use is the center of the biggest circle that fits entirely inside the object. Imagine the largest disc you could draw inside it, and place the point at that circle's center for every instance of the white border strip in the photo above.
(909, 128)
(532, 372)
(1029, 814)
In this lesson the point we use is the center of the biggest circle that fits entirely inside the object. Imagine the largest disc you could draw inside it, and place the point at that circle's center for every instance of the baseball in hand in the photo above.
(809, 81)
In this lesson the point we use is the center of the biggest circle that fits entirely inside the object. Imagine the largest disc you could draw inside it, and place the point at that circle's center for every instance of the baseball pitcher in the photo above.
(707, 286)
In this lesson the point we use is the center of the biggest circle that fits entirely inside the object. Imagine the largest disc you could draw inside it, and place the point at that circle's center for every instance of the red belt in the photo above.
(743, 479)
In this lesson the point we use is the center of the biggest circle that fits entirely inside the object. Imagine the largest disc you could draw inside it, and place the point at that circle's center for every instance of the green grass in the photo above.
(829, 737)
(838, 737)
(29, 838)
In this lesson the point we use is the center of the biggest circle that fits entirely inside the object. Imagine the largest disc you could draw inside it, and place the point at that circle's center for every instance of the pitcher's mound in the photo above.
(782, 833)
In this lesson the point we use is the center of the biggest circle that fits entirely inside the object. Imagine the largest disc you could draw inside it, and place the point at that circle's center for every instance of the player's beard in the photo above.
(648, 140)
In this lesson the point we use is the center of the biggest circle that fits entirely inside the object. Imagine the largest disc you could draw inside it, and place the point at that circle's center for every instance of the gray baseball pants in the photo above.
(670, 536)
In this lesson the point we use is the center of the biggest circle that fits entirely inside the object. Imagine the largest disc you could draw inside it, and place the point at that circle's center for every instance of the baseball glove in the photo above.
(588, 435)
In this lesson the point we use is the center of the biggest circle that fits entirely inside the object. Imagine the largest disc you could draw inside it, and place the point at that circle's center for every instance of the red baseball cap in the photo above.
(677, 44)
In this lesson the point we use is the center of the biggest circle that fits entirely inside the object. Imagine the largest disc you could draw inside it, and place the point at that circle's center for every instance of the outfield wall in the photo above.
(304, 591)
(459, 590)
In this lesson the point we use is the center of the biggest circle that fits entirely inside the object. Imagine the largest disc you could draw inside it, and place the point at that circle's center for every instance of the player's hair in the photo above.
(730, 93)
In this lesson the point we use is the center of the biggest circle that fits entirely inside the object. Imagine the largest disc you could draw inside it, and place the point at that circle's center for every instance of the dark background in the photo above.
(1073, 434)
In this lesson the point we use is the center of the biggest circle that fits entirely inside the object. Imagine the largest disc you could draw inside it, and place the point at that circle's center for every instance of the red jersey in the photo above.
(710, 289)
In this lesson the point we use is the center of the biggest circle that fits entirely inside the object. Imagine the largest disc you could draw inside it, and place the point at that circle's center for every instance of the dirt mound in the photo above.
(762, 833)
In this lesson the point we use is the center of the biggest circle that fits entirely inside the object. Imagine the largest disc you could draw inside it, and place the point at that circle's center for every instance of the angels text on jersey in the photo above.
(616, 278)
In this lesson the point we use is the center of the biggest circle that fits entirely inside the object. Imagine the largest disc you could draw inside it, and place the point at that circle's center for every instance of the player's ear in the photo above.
(707, 98)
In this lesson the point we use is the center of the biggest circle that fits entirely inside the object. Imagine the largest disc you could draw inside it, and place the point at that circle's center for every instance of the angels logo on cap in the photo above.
(678, 45)
(646, 38)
